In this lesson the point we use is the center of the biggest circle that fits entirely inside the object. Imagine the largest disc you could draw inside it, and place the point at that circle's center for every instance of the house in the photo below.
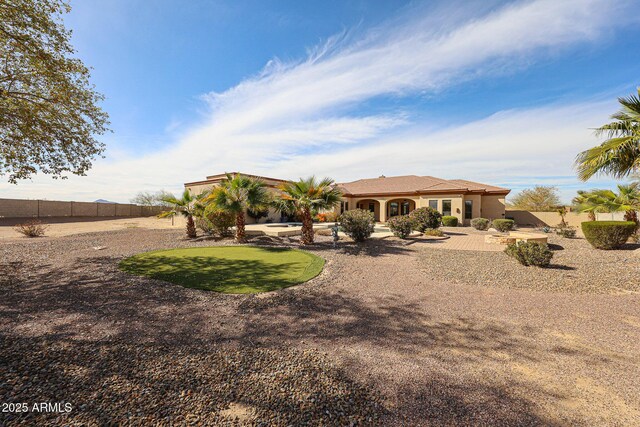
(390, 196)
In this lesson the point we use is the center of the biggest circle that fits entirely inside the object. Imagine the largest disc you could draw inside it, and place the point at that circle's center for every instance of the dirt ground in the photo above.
(438, 352)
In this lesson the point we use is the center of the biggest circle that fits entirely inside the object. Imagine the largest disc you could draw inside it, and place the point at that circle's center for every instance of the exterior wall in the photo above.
(17, 208)
(476, 207)
(457, 204)
(493, 207)
(541, 219)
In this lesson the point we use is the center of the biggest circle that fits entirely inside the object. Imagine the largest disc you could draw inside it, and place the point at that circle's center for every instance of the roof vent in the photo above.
(382, 176)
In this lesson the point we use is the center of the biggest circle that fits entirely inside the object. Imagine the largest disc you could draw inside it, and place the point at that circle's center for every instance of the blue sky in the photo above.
(497, 92)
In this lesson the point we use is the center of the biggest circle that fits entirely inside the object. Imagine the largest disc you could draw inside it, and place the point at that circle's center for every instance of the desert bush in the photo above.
(530, 253)
(503, 224)
(216, 222)
(34, 228)
(480, 223)
(326, 217)
(424, 218)
(433, 232)
(568, 232)
(608, 234)
(357, 224)
(401, 226)
(450, 221)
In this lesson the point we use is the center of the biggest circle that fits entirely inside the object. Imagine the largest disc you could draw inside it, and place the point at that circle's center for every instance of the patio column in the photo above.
(383, 210)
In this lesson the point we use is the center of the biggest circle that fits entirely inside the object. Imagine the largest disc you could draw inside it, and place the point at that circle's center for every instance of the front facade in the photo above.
(387, 197)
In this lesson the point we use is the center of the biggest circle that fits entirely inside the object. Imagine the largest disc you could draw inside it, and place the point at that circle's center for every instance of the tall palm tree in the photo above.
(619, 155)
(306, 196)
(238, 193)
(188, 206)
(627, 200)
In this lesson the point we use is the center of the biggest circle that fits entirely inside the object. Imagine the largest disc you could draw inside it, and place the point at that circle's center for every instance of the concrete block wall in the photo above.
(17, 208)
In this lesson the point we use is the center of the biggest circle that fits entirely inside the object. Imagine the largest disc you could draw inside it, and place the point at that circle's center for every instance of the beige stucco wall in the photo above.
(551, 219)
(493, 207)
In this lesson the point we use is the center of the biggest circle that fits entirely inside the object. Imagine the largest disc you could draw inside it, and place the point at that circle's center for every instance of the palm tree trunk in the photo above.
(631, 216)
(307, 227)
(191, 228)
(240, 234)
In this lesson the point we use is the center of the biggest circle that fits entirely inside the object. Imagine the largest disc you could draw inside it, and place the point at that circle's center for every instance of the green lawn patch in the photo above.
(229, 269)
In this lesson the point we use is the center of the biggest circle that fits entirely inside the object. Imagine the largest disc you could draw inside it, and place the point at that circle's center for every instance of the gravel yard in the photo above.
(373, 340)
(575, 267)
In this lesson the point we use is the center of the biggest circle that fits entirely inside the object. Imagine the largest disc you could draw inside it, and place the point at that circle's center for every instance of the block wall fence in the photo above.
(19, 208)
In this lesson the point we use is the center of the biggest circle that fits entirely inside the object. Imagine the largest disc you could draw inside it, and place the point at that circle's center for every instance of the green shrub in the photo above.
(401, 226)
(433, 232)
(33, 228)
(568, 232)
(216, 222)
(480, 223)
(530, 253)
(424, 218)
(503, 224)
(450, 221)
(608, 234)
(357, 224)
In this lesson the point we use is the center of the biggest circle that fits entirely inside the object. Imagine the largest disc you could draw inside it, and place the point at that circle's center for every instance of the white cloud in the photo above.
(298, 118)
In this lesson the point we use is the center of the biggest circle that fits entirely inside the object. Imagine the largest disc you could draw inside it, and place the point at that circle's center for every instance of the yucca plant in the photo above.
(304, 197)
(237, 194)
(619, 155)
(187, 206)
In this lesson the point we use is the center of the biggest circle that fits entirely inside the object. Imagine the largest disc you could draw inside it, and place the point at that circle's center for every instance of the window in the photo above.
(405, 208)
(446, 207)
(468, 209)
(344, 206)
(433, 204)
(393, 209)
(372, 207)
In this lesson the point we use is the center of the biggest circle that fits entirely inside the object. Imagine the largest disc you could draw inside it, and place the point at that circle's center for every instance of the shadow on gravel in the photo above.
(112, 383)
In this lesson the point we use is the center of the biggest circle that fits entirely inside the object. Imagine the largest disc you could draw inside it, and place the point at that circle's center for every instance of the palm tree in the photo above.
(188, 206)
(627, 200)
(306, 196)
(619, 155)
(237, 194)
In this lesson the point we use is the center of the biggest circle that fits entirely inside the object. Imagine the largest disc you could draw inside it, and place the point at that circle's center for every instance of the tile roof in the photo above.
(415, 184)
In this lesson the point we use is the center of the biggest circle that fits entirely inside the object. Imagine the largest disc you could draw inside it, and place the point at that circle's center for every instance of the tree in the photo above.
(619, 155)
(305, 197)
(147, 198)
(237, 194)
(627, 200)
(537, 199)
(49, 113)
(188, 206)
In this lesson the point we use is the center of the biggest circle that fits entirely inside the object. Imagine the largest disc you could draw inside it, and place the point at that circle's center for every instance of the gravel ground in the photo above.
(408, 347)
(575, 267)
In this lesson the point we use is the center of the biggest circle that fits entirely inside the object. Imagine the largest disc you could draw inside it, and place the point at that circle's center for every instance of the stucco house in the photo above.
(398, 195)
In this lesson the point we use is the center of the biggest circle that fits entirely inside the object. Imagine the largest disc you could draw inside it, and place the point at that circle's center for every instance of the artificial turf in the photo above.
(227, 269)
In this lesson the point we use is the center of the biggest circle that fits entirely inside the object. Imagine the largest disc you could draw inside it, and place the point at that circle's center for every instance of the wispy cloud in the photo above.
(301, 117)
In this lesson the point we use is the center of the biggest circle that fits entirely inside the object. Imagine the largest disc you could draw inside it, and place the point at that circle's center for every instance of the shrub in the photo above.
(568, 232)
(326, 217)
(450, 221)
(433, 232)
(357, 224)
(401, 226)
(608, 234)
(530, 253)
(216, 222)
(34, 228)
(424, 218)
(503, 224)
(480, 223)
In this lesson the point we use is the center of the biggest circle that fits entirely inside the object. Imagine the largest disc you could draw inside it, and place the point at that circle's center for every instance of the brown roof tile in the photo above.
(414, 184)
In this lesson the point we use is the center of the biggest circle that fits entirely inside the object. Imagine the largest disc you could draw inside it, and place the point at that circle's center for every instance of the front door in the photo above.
(404, 208)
